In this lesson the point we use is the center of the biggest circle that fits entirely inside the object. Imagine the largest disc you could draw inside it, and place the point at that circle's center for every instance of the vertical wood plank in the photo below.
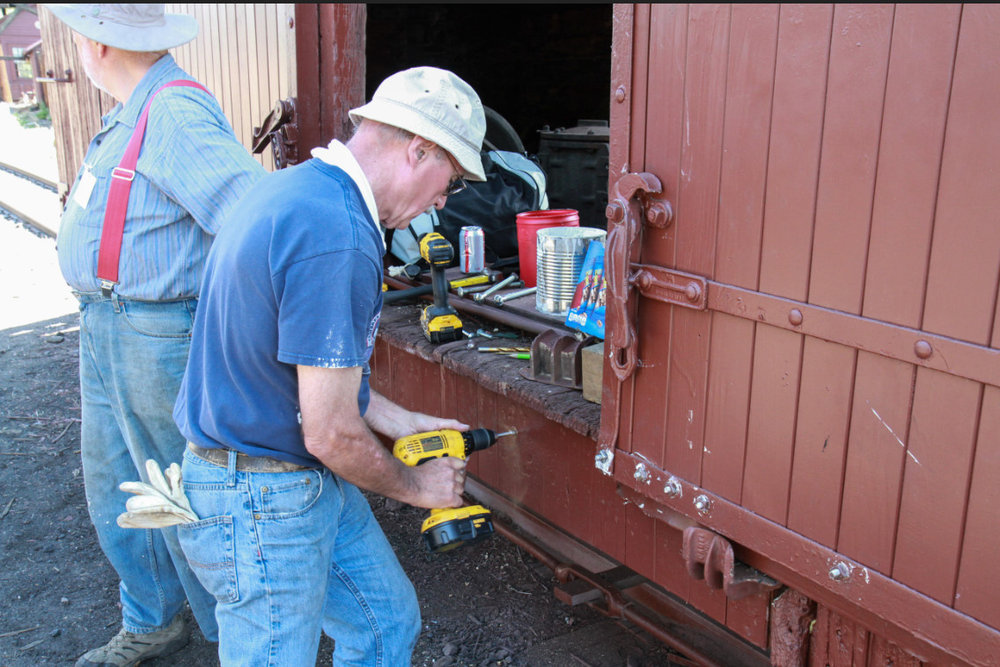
(852, 122)
(750, 82)
(935, 483)
(966, 239)
(874, 468)
(977, 592)
(238, 72)
(728, 408)
(966, 244)
(793, 161)
(634, 143)
(771, 427)
(916, 107)
(851, 125)
(264, 43)
(821, 440)
(286, 48)
(664, 90)
(918, 82)
(697, 219)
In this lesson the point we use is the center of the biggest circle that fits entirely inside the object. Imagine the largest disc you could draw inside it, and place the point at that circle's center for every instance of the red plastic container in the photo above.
(528, 224)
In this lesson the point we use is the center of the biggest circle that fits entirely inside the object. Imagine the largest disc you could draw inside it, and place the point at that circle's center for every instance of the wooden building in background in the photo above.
(19, 32)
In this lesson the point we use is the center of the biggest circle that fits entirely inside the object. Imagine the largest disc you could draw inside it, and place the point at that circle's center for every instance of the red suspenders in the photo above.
(121, 185)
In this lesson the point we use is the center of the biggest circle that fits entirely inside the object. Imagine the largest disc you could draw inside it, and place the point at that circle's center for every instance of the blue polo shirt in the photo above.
(293, 278)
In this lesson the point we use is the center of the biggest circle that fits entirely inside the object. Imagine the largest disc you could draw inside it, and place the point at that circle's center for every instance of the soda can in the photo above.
(473, 245)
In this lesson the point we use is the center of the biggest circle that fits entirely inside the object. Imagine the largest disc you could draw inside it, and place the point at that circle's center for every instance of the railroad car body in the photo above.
(795, 454)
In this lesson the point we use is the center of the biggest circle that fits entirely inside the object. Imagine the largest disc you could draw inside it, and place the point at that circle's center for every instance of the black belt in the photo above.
(245, 462)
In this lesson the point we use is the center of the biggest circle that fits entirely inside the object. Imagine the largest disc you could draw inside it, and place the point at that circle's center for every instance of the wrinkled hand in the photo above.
(158, 504)
(439, 483)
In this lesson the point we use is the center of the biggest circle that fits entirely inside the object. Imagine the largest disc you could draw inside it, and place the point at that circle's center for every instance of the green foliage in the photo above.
(36, 116)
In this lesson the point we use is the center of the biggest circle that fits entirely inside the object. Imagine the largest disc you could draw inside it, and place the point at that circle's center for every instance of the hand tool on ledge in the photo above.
(479, 281)
(446, 529)
(439, 321)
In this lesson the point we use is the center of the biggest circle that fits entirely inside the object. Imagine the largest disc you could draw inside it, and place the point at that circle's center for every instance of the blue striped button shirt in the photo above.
(191, 170)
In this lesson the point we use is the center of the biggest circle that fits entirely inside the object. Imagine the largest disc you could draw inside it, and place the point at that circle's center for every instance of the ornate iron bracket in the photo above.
(633, 203)
(279, 129)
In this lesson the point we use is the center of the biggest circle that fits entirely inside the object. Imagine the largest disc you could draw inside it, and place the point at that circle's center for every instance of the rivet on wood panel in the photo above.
(291, 22)
(923, 349)
(795, 317)
(620, 94)
(673, 488)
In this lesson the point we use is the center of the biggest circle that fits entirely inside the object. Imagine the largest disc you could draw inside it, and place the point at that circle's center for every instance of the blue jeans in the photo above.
(132, 358)
(290, 554)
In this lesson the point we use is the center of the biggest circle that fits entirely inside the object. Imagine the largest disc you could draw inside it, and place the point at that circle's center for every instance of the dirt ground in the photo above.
(487, 604)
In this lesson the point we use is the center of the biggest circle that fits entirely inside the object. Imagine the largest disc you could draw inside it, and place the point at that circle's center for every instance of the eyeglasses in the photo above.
(458, 183)
(455, 186)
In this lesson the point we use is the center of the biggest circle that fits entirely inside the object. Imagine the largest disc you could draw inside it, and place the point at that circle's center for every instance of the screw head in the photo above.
(673, 488)
(703, 504)
(841, 571)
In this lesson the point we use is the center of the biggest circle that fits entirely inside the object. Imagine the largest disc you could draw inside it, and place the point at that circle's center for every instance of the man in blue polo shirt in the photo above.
(276, 403)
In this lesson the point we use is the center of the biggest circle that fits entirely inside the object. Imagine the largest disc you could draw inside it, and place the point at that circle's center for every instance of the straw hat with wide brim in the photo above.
(131, 27)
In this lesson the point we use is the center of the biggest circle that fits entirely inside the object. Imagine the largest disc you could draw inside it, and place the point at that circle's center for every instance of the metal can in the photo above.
(473, 249)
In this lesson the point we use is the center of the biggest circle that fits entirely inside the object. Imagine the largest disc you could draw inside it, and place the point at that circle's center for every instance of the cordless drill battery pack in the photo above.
(445, 530)
(440, 327)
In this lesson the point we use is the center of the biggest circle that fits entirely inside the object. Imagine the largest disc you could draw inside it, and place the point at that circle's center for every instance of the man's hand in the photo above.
(396, 422)
(439, 483)
(336, 434)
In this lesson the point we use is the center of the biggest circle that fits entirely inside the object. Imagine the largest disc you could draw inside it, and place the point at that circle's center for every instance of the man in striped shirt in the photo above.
(135, 333)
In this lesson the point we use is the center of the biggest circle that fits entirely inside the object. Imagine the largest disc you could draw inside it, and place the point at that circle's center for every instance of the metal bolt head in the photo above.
(703, 504)
(673, 488)
(603, 459)
(641, 474)
(841, 571)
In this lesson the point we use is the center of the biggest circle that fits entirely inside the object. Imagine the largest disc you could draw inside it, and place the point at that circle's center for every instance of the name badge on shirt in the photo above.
(81, 194)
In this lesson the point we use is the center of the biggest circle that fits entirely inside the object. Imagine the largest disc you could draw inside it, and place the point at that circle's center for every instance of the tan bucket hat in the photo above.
(436, 105)
(131, 27)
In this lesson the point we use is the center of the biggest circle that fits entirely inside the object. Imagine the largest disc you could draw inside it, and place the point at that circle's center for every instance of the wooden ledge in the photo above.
(400, 328)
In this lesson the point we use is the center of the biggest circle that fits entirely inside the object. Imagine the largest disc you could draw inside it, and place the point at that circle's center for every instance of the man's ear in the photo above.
(418, 149)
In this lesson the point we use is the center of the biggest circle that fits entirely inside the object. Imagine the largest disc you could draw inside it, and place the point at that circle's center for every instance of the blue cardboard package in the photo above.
(586, 312)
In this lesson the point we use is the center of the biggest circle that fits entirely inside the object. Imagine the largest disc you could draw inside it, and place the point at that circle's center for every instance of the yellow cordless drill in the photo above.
(439, 321)
(446, 529)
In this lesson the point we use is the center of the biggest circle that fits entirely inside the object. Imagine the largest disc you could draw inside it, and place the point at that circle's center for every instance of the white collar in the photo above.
(338, 155)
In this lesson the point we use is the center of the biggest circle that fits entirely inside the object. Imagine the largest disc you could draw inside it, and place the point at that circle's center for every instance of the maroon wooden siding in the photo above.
(834, 173)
